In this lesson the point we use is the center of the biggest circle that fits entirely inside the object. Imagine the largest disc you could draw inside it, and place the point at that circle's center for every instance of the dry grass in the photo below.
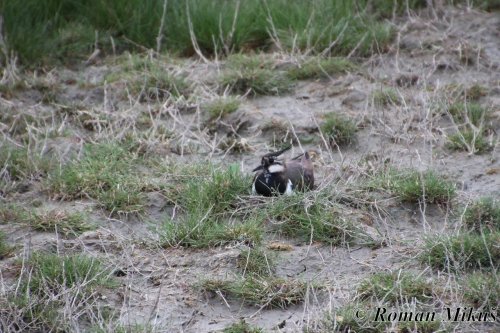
(5, 249)
(255, 75)
(462, 252)
(60, 222)
(258, 291)
(316, 67)
(55, 292)
(386, 96)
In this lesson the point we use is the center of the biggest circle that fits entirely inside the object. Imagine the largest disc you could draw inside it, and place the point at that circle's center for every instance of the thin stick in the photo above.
(162, 25)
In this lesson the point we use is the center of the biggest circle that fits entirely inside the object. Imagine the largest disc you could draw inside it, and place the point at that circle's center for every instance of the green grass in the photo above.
(200, 231)
(222, 106)
(462, 252)
(53, 272)
(65, 31)
(206, 198)
(423, 326)
(359, 317)
(53, 286)
(269, 292)
(459, 93)
(344, 319)
(242, 327)
(469, 140)
(214, 190)
(483, 214)
(475, 92)
(469, 112)
(21, 163)
(254, 74)
(482, 290)
(396, 287)
(10, 87)
(256, 261)
(386, 96)
(61, 221)
(472, 121)
(106, 173)
(4, 247)
(316, 24)
(18, 124)
(338, 129)
(320, 68)
(413, 186)
(13, 213)
(149, 78)
(312, 217)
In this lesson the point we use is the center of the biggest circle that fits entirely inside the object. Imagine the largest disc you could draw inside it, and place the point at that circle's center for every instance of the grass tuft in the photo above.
(472, 122)
(254, 74)
(54, 272)
(482, 290)
(63, 222)
(104, 173)
(207, 198)
(12, 213)
(222, 106)
(395, 287)
(48, 284)
(256, 261)
(270, 292)
(338, 129)
(312, 216)
(4, 247)
(386, 96)
(469, 112)
(483, 214)
(469, 140)
(359, 317)
(320, 68)
(201, 231)
(305, 219)
(344, 319)
(242, 327)
(213, 190)
(462, 252)
(149, 78)
(22, 163)
(413, 186)
(475, 92)
(430, 326)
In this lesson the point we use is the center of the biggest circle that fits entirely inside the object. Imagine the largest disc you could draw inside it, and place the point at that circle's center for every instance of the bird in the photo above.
(283, 177)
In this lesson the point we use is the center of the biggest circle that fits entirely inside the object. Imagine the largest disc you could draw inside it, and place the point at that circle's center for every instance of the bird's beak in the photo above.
(278, 153)
(260, 167)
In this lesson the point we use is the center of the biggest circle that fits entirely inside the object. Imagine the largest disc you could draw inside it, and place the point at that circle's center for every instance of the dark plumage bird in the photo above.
(277, 177)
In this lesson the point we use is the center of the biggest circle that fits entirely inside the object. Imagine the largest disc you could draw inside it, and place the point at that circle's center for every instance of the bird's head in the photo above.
(270, 159)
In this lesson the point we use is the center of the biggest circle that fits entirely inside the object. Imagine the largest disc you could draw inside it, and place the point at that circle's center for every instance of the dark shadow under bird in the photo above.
(283, 177)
